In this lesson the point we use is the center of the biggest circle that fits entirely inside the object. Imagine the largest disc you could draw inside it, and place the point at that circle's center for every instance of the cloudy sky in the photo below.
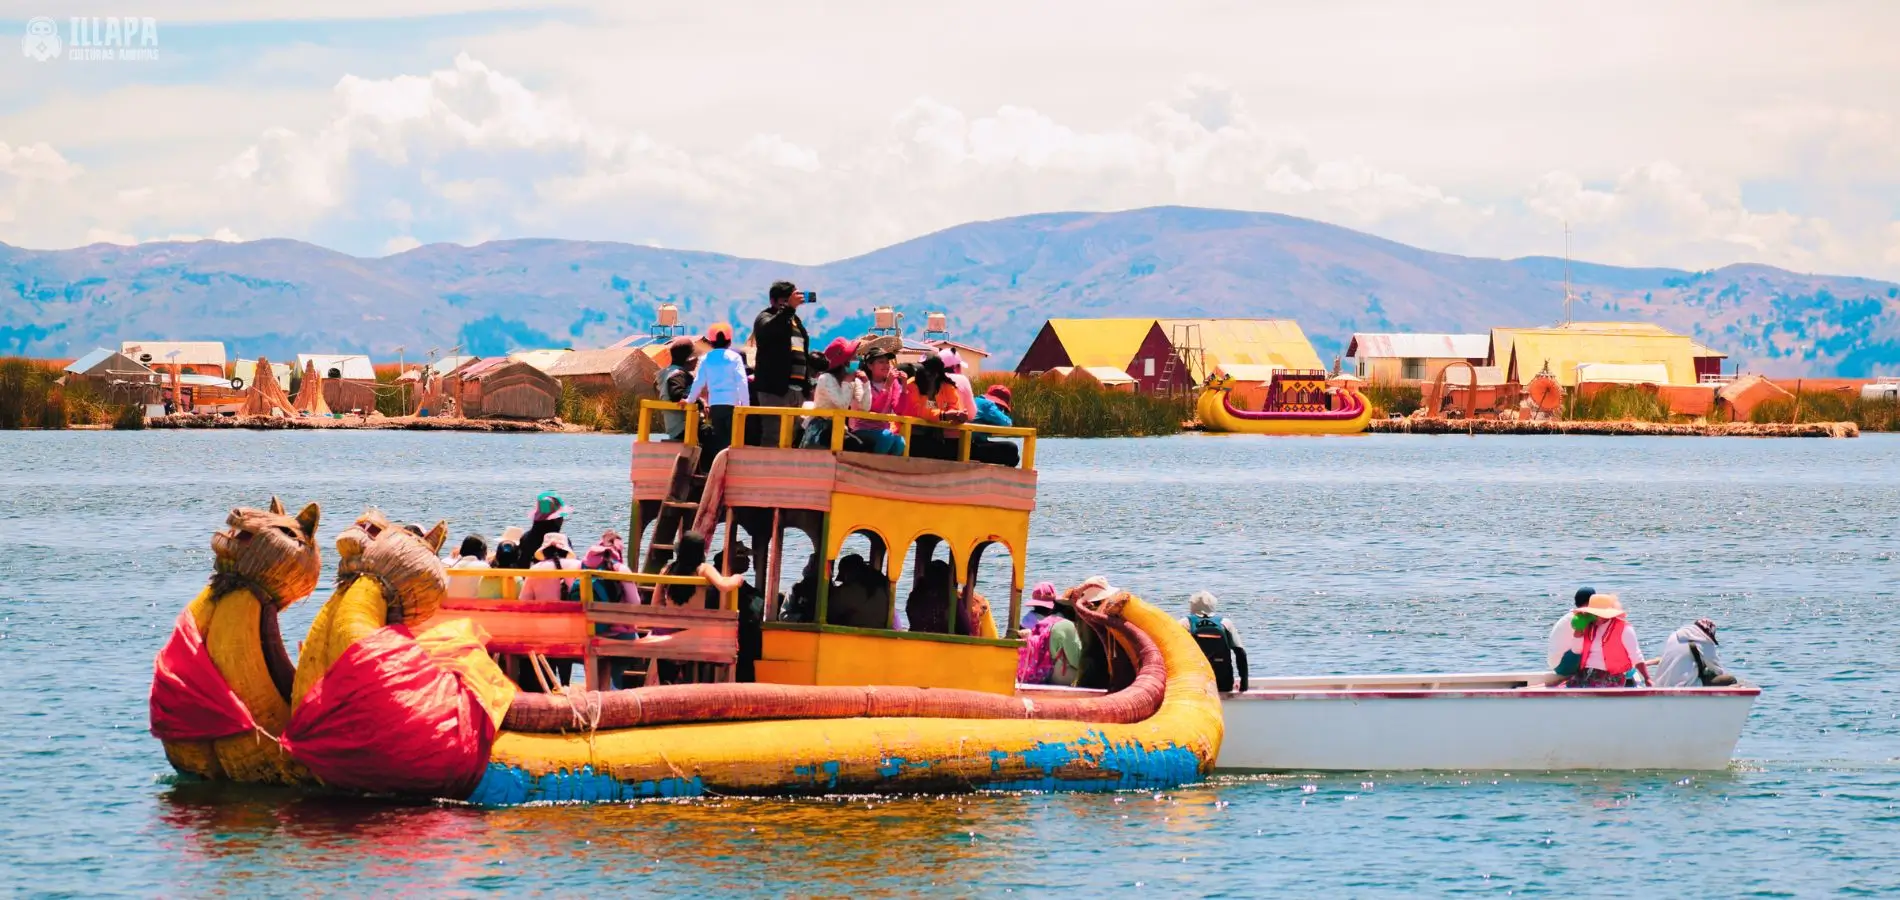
(1683, 133)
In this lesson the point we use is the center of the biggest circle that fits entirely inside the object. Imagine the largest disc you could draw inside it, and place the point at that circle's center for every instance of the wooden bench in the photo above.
(676, 634)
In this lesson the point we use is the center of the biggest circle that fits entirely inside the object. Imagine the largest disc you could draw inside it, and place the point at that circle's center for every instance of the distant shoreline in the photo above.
(184, 421)
(1615, 429)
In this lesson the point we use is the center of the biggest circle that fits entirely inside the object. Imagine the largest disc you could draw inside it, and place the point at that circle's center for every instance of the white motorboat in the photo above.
(1504, 721)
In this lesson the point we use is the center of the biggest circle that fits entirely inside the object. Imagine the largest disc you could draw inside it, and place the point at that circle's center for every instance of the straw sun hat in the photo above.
(1603, 606)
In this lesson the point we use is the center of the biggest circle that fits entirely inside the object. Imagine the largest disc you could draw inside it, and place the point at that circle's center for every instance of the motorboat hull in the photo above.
(1504, 722)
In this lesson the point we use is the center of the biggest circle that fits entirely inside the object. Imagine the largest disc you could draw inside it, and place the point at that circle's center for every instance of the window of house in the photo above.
(1148, 367)
(1361, 372)
(1412, 368)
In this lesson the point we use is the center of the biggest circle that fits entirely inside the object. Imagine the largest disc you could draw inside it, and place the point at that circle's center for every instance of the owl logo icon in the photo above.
(41, 41)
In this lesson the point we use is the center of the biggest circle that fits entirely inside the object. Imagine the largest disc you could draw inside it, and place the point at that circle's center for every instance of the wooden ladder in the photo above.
(677, 513)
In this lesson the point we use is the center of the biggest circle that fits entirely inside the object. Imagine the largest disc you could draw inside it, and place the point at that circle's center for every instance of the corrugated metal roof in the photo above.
(480, 366)
(1265, 342)
(347, 365)
(977, 351)
(447, 364)
(81, 365)
(540, 359)
(103, 362)
(1622, 373)
(1704, 351)
(190, 353)
(1366, 345)
(1102, 342)
(1107, 374)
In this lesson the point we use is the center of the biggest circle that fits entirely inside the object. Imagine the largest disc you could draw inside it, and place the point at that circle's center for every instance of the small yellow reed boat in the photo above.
(1296, 403)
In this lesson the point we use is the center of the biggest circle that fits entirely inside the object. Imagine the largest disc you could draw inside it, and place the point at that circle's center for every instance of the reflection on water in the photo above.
(1375, 555)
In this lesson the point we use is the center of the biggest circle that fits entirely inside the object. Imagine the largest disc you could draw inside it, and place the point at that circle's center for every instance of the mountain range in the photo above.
(997, 280)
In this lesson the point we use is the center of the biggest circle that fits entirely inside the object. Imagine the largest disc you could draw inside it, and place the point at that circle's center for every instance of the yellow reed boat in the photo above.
(1297, 402)
(399, 687)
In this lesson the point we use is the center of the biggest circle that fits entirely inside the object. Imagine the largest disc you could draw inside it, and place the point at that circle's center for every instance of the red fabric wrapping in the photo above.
(190, 699)
(386, 718)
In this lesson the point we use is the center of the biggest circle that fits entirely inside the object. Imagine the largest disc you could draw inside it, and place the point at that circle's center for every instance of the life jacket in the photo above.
(605, 590)
(1034, 663)
(1608, 636)
(1211, 634)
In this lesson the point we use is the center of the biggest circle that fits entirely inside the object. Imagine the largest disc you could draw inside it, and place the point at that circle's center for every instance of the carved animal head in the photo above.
(355, 539)
(410, 568)
(271, 549)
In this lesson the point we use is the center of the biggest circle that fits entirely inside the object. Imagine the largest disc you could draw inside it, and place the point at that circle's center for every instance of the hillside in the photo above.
(998, 280)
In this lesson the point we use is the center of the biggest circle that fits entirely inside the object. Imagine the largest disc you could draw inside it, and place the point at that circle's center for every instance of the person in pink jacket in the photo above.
(555, 553)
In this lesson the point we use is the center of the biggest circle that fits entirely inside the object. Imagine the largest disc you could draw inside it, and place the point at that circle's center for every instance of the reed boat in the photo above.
(1296, 402)
(399, 687)
(1504, 721)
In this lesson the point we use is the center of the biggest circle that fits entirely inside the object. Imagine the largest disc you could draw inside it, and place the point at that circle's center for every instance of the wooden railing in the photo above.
(790, 426)
(569, 629)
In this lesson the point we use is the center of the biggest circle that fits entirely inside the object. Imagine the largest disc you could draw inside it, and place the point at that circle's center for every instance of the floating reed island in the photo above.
(365, 423)
(1423, 425)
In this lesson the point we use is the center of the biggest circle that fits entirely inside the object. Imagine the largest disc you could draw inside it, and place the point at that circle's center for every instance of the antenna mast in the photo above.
(1566, 271)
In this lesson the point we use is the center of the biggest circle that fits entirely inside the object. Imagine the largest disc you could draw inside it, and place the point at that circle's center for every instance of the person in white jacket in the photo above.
(1691, 658)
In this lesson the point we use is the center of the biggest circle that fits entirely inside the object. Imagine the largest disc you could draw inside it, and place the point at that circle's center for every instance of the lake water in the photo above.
(1374, 554)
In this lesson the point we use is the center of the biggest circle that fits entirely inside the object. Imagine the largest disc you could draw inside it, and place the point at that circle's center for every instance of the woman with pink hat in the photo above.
(838, 387)
(1040, 605)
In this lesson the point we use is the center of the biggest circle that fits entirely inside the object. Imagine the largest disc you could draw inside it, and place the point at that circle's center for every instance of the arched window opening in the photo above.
(930, 574)
(990, 590)
(799, 564)
(860, 596)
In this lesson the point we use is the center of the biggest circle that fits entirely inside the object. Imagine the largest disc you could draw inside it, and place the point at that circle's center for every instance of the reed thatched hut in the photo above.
(263, 396)
(309, 399)
(623, 369)
(507, 389)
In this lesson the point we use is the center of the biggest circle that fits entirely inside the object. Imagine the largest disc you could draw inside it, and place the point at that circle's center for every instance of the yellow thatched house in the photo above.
(1603, 347)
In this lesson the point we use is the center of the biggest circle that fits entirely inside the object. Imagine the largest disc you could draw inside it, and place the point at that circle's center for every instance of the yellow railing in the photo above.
(511, 582)
(789, 426)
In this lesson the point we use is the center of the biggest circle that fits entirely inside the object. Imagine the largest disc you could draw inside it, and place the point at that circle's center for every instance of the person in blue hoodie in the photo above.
(993, 408)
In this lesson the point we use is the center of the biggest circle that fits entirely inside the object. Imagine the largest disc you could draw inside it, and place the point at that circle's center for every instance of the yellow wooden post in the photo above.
(838, 424)
(787, 424)
(963, 444)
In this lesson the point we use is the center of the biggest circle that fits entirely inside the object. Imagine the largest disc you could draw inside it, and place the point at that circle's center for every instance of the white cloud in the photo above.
(468, 152)
(31, 178)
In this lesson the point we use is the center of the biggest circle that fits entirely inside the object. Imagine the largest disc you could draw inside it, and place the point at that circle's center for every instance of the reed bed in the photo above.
(31, 398)
(1388, 400)
(1617, 403)
(1075, 408)
(601, 408)
(1831, 406)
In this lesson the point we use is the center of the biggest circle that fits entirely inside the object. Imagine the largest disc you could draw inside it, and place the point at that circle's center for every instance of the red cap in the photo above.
(1000, 394)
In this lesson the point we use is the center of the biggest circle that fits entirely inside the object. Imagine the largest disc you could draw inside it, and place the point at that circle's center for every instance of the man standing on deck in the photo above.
(781, 355)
